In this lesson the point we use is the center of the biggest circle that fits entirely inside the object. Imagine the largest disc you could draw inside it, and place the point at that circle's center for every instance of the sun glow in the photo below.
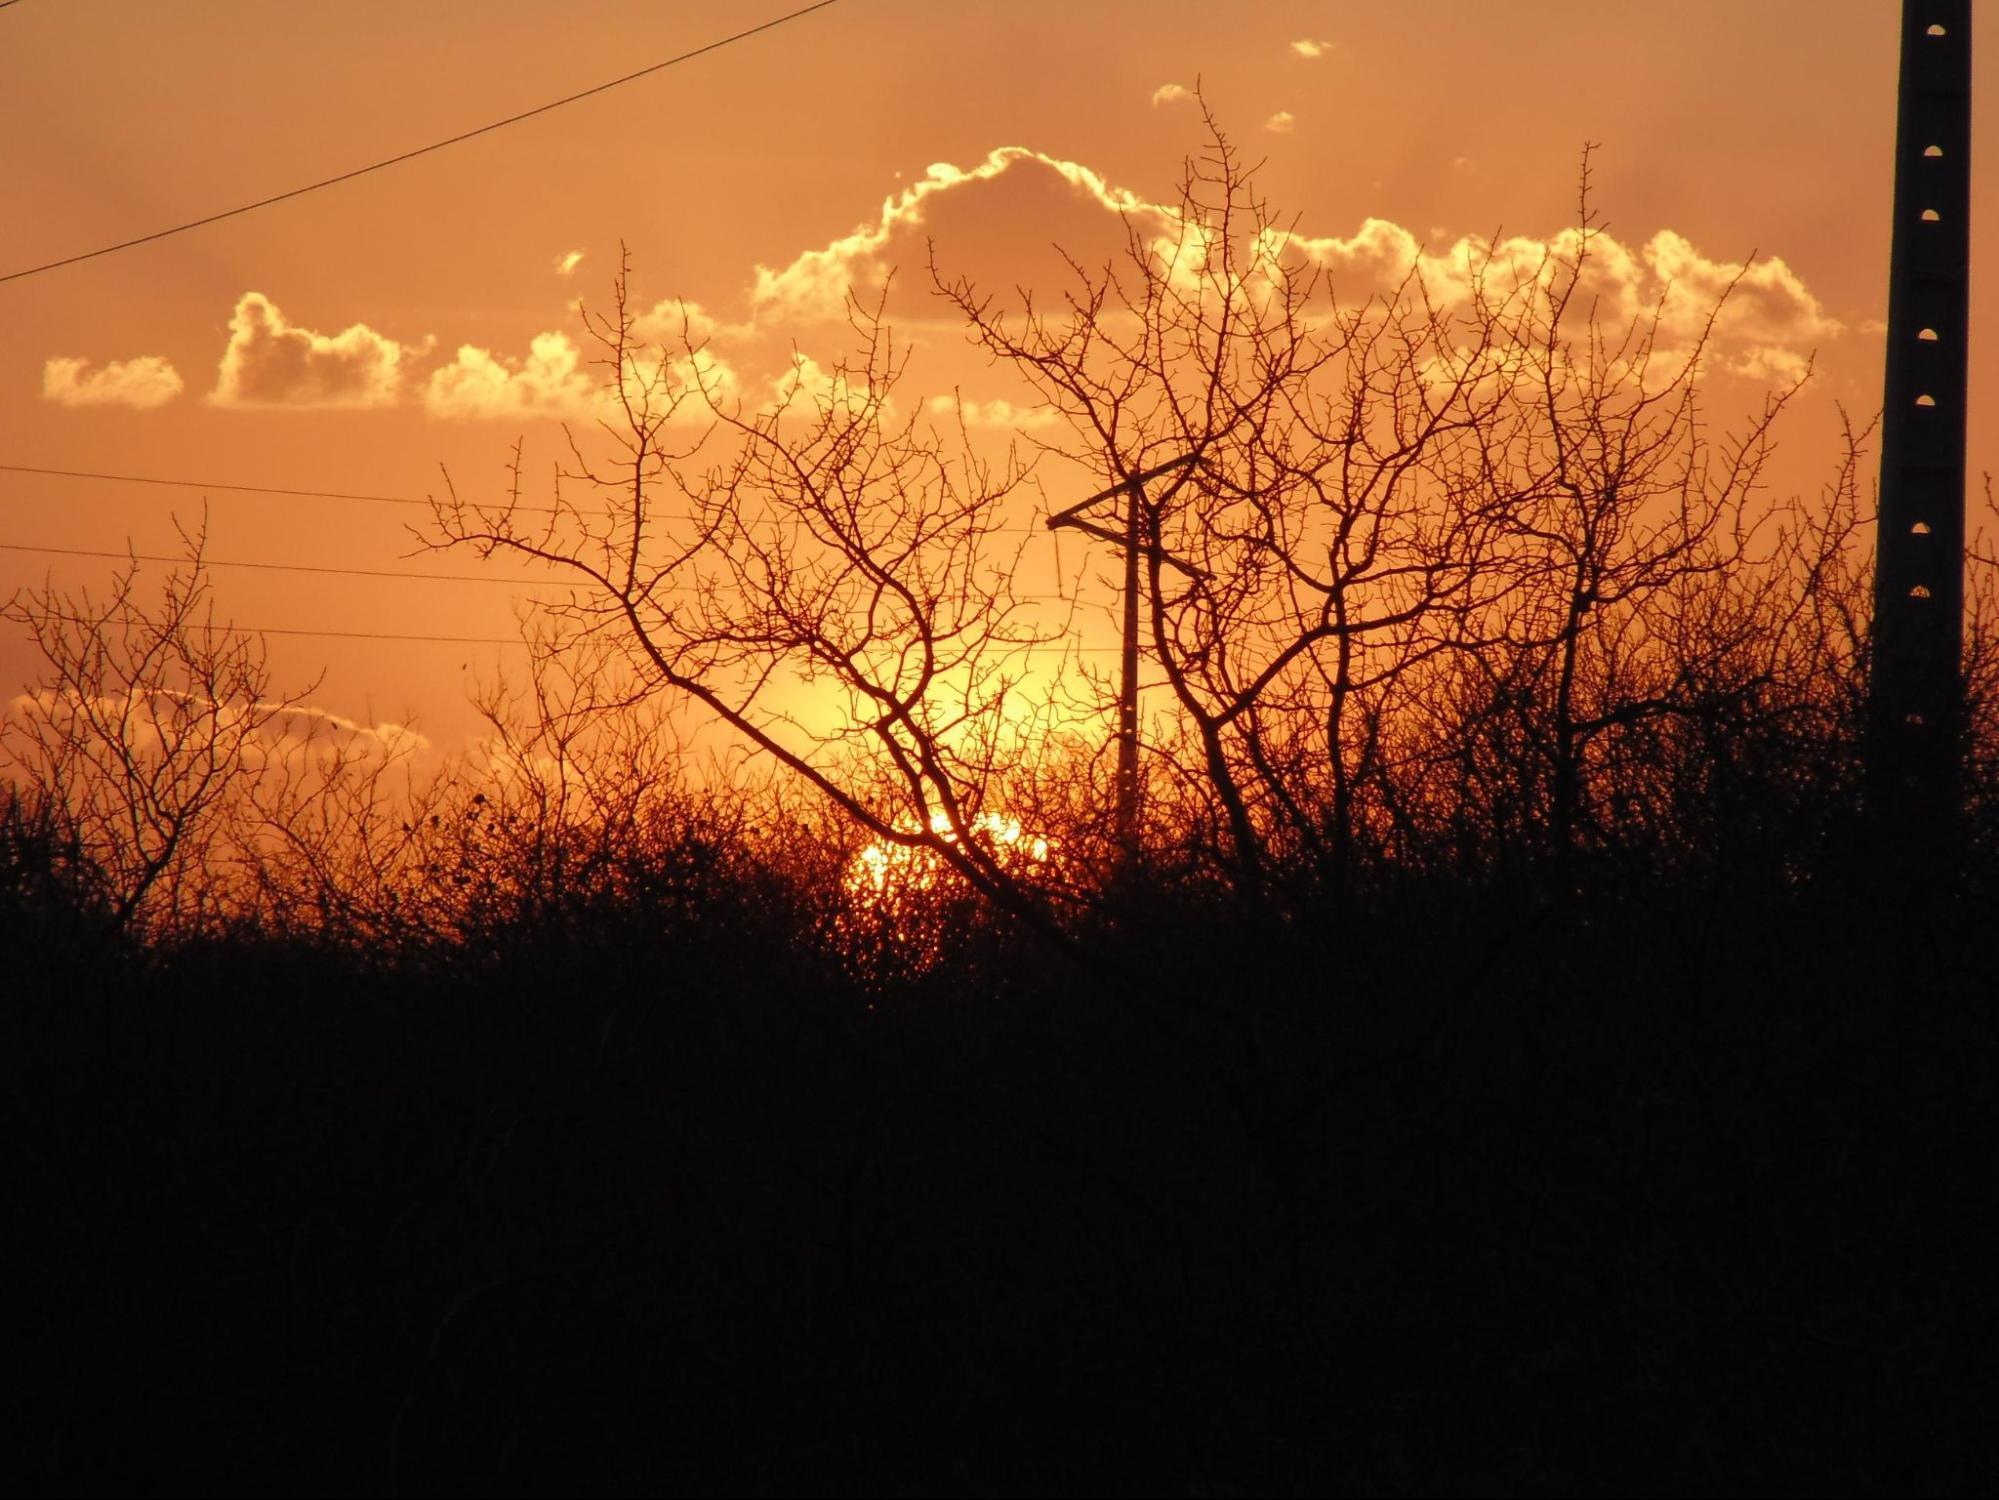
(886, 869)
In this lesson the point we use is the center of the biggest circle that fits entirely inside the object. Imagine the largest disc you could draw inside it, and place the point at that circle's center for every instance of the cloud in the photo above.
(1281, 123)
(478, 384)
(565, 265)
(555, 383)
(994, 413)
(1170, 93)
(815, 284)
(679, 324)
(988, 221)
(285, 734)
(1765, 330)
(1311, 48)
(813, 387)
(687, 351)
(142, 383)
(270, 362)
(297, 726)
(1771, 319)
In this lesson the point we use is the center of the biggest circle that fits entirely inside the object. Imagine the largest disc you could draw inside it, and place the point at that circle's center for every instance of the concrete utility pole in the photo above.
(1135, 542)
(1916, 698)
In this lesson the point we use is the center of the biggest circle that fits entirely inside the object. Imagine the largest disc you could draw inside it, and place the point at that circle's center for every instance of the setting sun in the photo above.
(883, 870)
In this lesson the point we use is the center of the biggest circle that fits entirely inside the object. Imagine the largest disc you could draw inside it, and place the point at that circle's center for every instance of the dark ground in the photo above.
(1651, 1197)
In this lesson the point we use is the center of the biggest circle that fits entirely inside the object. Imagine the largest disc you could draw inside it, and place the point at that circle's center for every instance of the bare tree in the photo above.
(345, 818)
(823, 575)
(1467, 565)
(141, 738)
(1630, 541)
(1486, 497)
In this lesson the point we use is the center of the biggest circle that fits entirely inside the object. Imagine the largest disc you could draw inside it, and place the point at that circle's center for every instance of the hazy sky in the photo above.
(355, 339)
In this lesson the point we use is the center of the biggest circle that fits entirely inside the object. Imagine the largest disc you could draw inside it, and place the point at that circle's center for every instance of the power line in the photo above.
(406, 573)
(383, 635)
(294, 494)
(1039, 648)
(303, 494)
(487, 129)
(1033, 648)
(206, 484)
(280, 567)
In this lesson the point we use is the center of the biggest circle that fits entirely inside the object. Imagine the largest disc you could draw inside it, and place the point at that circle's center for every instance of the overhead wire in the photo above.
(210, 484)
(1029, 648)
(426, 503)
(1034, 648)
(409, 574)
(403, 156)
(383, 635)
(277, 567)
(413, 576)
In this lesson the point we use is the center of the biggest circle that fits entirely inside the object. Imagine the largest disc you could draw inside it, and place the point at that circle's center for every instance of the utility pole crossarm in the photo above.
(1072, 518)
(1139, 481)
(1135, 544)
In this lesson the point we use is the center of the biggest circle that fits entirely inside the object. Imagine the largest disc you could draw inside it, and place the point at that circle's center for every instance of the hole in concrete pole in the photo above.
(1936, 30)
(1927, 335)
(1926, 400)
(1920, 591)
(1931, 216)
(1921, 528)
(1933, 151)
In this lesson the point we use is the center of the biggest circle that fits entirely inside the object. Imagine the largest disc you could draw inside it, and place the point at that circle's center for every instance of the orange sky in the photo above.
(383, 327)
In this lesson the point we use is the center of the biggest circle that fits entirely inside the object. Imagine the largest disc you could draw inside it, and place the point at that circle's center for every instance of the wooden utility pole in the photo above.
(1916, 697)
(1135, 542)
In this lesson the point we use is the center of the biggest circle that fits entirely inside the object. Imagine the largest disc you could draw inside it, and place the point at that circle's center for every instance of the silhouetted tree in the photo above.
(147, 725)
(1458, 576)
(1483, 497)
(821, 575)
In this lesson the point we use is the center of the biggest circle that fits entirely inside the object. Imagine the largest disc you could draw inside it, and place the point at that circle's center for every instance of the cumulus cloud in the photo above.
(815, 285)
(142, 383)
(1766, 329)
(555, 382)
(1311, 48)
(1771, 319)
(565, 265)
(271, 362)
(550, 382)
(816, 387)
(1281, 123)
(994, 413)
(1170, 93)
(679, 324)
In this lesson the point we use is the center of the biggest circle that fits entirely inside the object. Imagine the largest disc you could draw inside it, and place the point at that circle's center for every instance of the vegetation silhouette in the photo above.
(1504, 1066)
